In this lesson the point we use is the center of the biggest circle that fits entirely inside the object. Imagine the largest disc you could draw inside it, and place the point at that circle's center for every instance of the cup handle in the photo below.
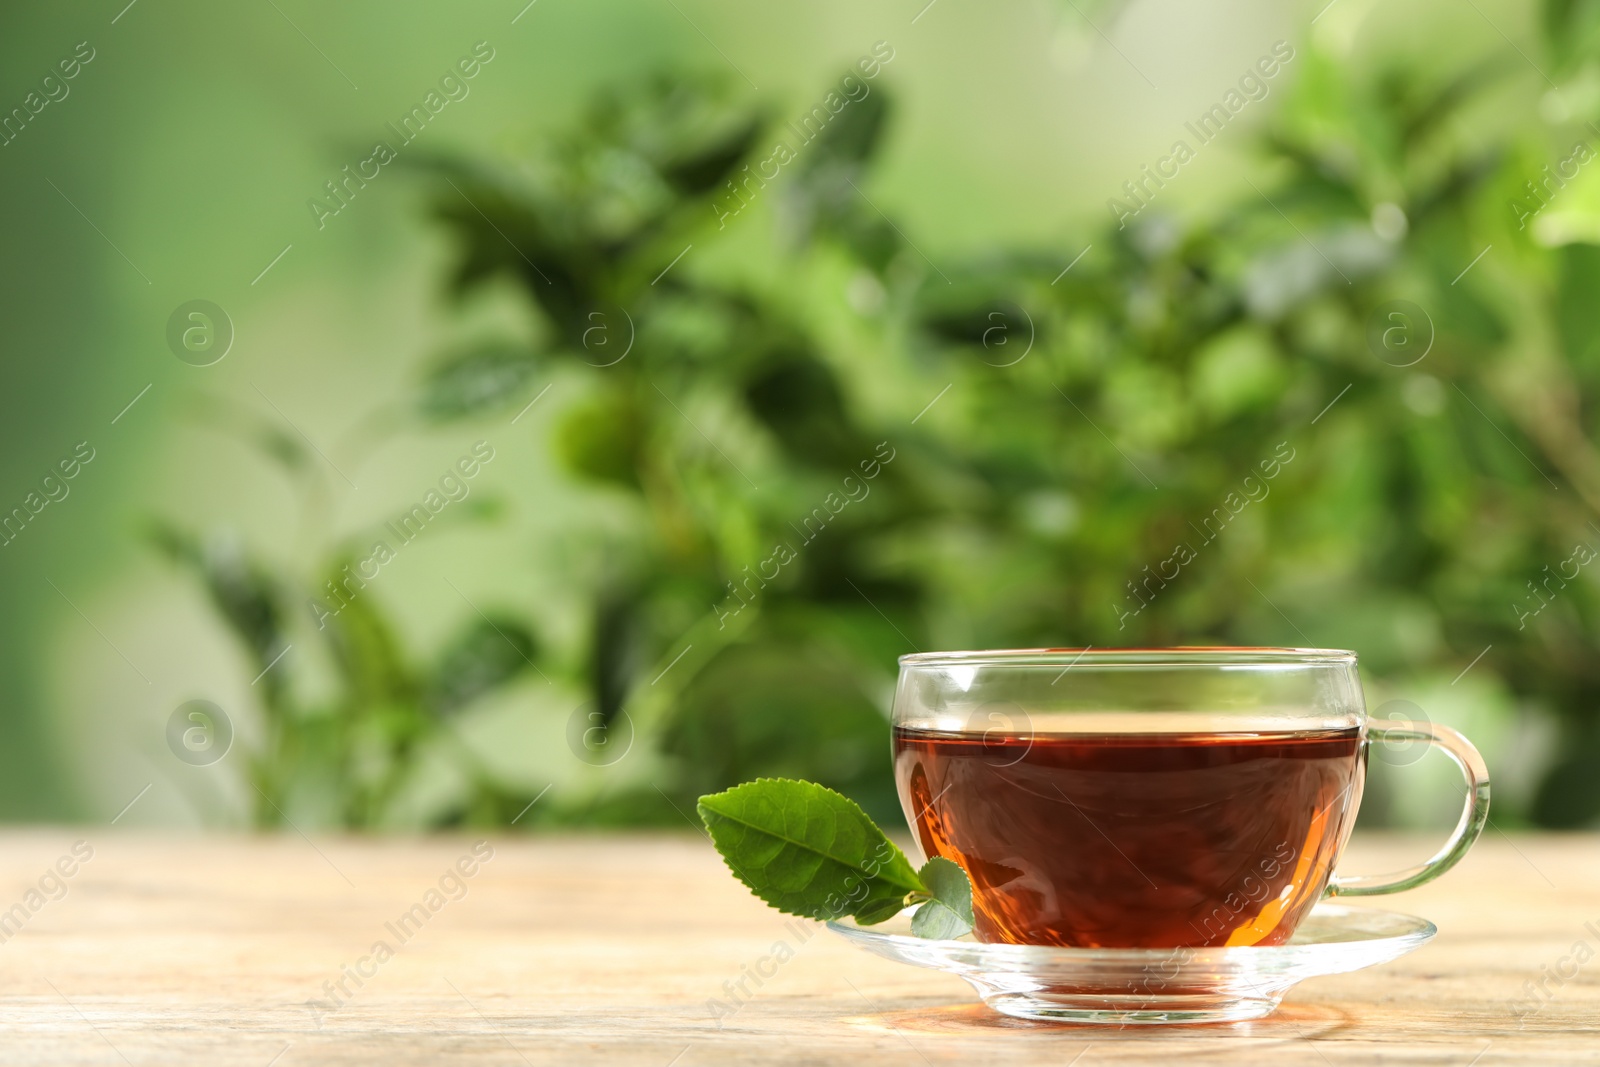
(1473, 815)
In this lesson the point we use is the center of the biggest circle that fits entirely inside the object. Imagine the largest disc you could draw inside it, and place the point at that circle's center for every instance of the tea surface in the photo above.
(1135, 839)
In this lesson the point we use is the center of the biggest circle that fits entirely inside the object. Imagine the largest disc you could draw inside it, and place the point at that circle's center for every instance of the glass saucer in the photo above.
(1140, 985)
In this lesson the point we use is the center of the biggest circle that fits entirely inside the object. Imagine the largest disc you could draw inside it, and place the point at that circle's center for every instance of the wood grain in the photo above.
(209, 950)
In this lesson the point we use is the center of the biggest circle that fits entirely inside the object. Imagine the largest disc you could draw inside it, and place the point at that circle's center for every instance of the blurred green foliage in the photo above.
(849, 451)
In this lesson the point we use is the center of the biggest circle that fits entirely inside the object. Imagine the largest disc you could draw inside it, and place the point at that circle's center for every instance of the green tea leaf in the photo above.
(881, 912)
(948, 911)
(808, 851)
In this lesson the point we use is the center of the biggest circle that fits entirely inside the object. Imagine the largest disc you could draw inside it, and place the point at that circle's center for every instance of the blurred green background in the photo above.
(699, 434)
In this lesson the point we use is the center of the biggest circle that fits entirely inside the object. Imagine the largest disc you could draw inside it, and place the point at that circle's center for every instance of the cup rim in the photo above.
(1178, 656)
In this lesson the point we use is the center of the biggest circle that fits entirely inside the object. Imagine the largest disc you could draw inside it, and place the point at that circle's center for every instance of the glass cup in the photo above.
(1150, 798)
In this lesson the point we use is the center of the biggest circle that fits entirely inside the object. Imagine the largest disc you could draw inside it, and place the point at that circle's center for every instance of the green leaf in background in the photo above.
(823, 198)
(603, 438)
(486, 656)
(698, 169)
(808, 851)
(480, 378)
(949, 911)
(243, 591)
(1571, 30)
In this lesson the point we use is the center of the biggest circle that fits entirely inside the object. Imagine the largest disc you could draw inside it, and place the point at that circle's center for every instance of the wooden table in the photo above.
(209, 950)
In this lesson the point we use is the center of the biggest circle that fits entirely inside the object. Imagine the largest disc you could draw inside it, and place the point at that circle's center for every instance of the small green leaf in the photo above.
(808, 851)
(947, 912)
